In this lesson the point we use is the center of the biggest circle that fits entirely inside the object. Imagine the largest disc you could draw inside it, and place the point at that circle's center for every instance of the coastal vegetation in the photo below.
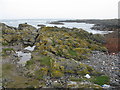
(56, 60)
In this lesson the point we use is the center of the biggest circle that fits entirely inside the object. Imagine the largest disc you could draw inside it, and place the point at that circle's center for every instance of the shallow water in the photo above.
(24, 57)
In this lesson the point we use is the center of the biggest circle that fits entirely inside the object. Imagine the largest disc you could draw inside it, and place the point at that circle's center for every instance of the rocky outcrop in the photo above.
(25, 34)
(28, 32)
(26, 27)
(4, 28)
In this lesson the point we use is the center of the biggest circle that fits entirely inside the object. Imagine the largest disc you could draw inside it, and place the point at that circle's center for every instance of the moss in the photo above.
(5, 44)
(41, 59)
(101, 80)
(59, 53)
(75, 79)
(7, 49)
(103, 49)
(71, 86)
(83, 72)
(73, 43)
(89, 68)
(62, 68)
(30, 62)
(38, 75)
(69, 71)
(85, 69)
(56, 70)
(72, 52)
(53, 43)
(82, 50)
(44, 70)
(57, 73)
(45, 61)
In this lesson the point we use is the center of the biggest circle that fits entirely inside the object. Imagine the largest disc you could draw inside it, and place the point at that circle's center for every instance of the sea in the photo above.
(85, 26)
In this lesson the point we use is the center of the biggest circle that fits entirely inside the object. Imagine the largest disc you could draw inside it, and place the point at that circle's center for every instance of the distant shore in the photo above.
(112, 39)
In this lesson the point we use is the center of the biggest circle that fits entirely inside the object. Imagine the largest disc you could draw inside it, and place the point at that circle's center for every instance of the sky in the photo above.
(70, 9)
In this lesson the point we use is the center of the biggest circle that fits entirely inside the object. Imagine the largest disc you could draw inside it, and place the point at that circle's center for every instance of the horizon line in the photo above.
(59, 18)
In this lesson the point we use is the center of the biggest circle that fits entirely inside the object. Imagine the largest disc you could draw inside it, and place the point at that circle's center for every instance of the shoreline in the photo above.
(75, 66)
(105, 25)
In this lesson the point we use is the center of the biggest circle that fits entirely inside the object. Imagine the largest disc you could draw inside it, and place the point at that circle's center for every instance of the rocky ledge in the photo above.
(61, 58)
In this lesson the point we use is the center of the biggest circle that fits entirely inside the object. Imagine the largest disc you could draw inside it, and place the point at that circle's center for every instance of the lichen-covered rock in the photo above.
(25, 34)
(74, 43)
(6, 29)
(56, 60)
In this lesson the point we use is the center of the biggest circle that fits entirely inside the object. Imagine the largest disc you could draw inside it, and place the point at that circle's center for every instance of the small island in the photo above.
(57, 23)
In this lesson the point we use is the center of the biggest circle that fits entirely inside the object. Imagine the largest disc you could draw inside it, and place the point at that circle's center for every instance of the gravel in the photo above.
(106, 63)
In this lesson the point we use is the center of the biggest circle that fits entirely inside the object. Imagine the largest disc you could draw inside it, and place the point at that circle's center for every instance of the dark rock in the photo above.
(41, 25)
(26, 27)
(57, 23)
(4, 27)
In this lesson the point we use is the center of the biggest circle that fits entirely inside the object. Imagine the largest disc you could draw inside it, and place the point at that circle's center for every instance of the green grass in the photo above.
(4, 51)
(5, 43)
(73, 53)
(45, 61)
(100, 80)
(75, 79)
(30, 62)
(7, 49)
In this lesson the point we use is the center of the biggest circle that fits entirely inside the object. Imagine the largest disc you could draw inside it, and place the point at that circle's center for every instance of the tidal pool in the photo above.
(24, 56)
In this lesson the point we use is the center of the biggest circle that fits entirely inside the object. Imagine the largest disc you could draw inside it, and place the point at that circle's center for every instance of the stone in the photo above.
(26, 27)
(30, 48)
(106, 86)
(41, 25)
(87, 76)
